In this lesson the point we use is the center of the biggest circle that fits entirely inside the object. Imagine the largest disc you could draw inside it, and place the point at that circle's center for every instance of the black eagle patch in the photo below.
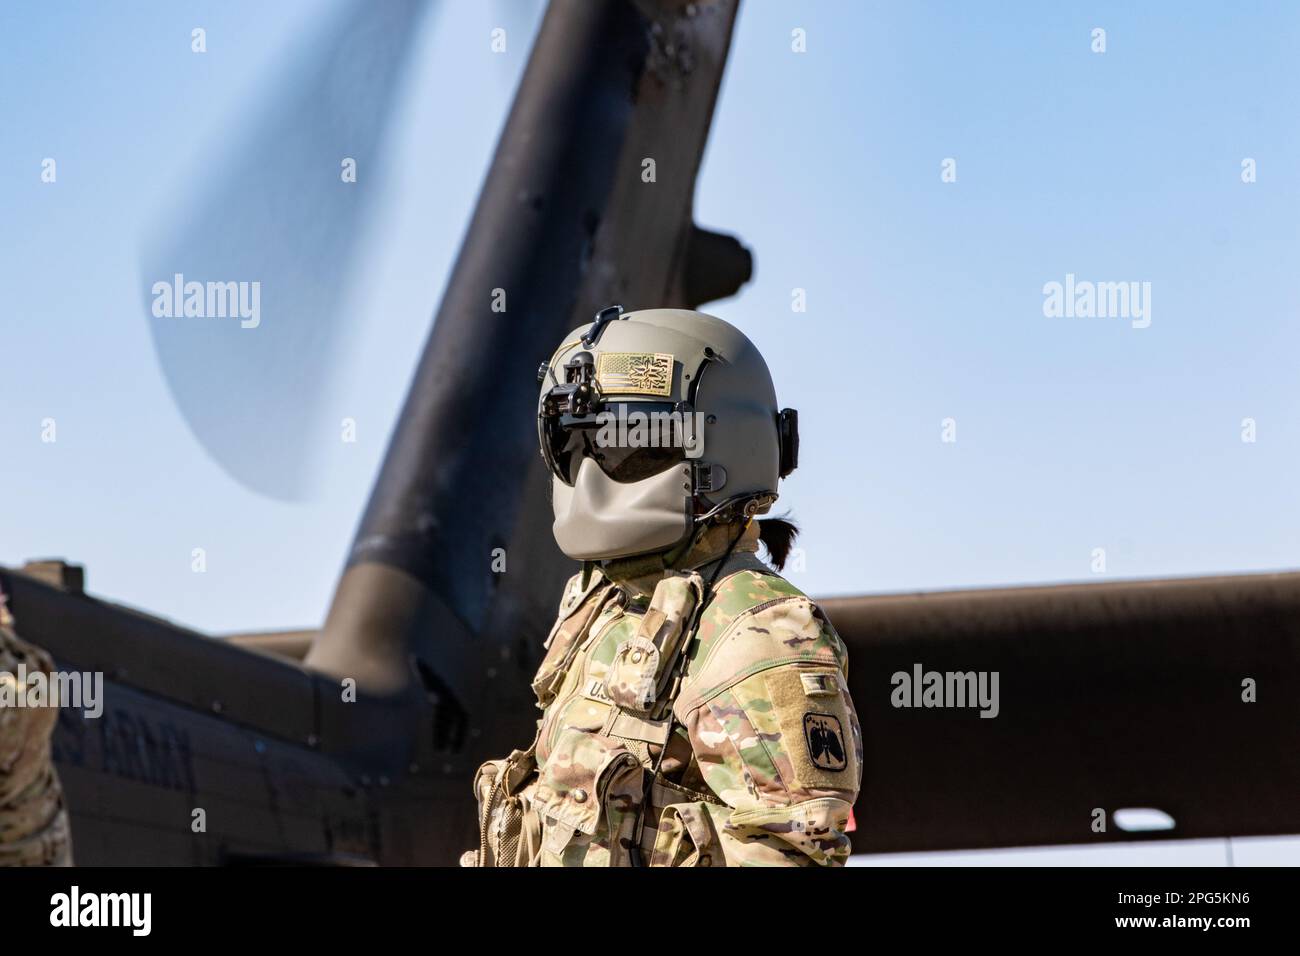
(825, 739)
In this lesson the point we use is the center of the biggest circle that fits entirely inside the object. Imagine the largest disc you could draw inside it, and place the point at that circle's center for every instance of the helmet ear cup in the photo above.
(787, 426)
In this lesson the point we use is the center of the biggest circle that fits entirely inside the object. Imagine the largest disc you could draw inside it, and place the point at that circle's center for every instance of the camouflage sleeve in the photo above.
(776, 737)
(33, 821)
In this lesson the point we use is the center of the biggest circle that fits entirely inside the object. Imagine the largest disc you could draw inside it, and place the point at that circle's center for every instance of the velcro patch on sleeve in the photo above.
(816, 732)
(819, 683)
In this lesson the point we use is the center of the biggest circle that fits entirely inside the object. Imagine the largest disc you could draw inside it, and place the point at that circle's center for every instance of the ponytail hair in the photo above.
(777, 536)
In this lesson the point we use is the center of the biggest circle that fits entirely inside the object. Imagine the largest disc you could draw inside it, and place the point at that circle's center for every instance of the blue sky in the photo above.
(924, 297)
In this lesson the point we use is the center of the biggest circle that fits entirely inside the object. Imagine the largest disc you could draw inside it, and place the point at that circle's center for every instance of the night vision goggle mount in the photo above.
(578, 396)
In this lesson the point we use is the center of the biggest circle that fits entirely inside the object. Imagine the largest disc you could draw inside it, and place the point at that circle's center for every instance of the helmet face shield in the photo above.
(599, 518)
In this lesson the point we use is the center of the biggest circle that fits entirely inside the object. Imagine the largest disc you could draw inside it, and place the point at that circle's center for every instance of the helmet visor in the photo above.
(629, 441)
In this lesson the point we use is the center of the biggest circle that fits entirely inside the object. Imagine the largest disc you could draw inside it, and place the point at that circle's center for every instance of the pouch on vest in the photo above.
(642, 665)
(508, 827)
(587, 796)
(576, 612)
(686, 837)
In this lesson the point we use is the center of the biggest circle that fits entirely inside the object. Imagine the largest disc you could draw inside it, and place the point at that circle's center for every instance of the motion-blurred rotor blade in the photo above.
(269, 237)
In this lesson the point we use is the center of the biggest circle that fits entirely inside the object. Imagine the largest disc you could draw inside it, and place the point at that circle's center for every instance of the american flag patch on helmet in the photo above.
(635, 373)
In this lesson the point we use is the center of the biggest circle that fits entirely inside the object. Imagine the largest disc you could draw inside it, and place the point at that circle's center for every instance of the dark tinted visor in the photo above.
(628, 441)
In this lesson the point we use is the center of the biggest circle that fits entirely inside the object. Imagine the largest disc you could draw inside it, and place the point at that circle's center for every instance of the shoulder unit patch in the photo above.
(824, 736)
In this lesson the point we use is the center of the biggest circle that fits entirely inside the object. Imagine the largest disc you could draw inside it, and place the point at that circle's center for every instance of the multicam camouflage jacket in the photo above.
(733, 744)
(33, 822)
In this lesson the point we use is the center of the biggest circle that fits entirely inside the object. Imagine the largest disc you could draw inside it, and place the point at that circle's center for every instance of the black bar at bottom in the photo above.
(847, 908)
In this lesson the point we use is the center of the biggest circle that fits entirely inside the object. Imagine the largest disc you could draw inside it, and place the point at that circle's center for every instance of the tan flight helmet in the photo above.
(654, 423)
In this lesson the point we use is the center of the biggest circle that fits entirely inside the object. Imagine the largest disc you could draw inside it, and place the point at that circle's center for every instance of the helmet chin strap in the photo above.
(741, 506)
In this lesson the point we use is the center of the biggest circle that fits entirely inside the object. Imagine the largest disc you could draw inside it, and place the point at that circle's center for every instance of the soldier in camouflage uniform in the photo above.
(695, 708)
(33, 822)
